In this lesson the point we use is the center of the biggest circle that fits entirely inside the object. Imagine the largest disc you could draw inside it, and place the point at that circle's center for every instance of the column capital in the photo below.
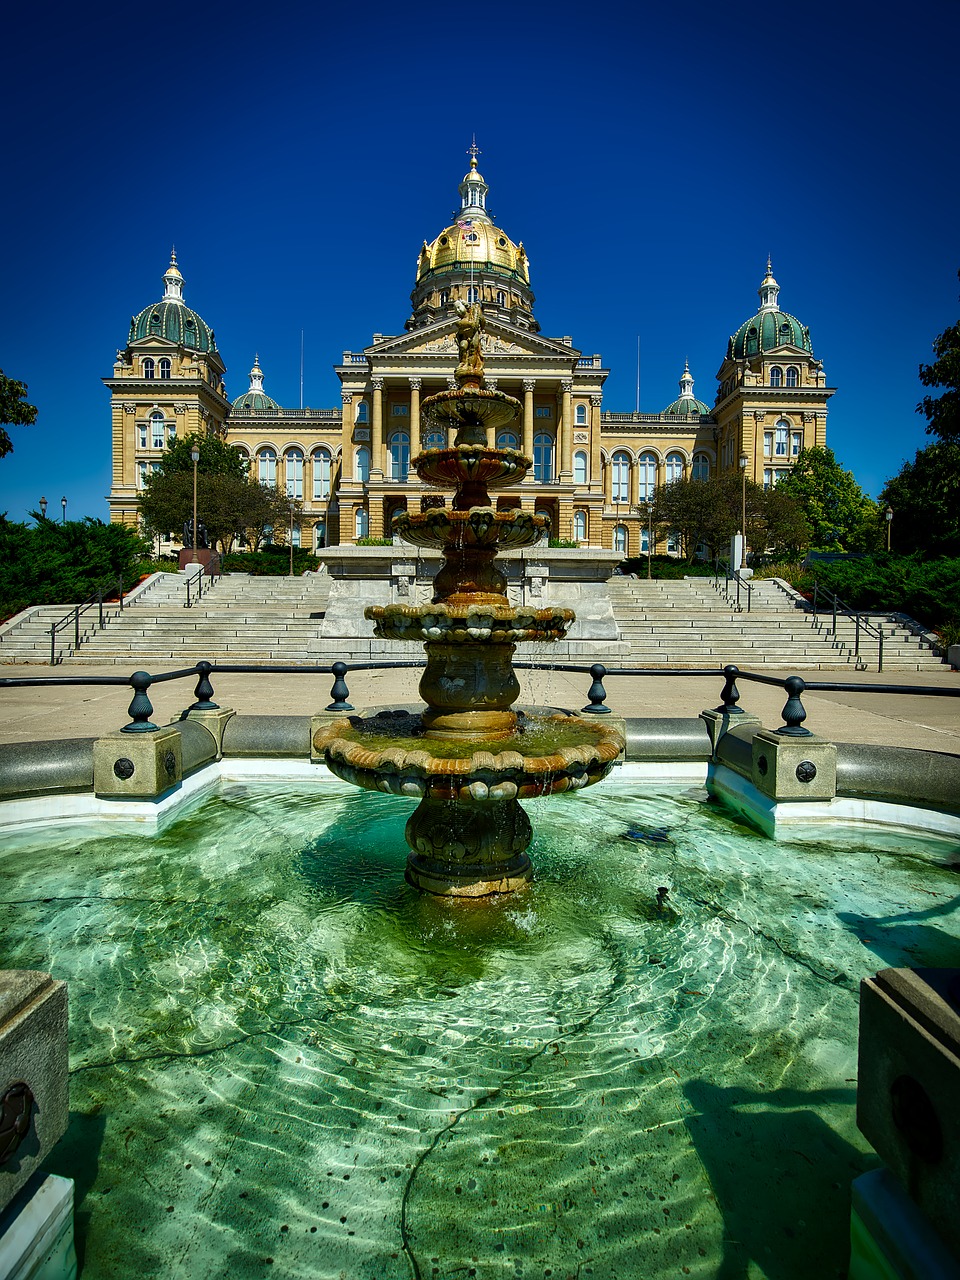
(346, 397)
(596, 401)
(180, 408)
(529, 384)
(415, 384)
(129, 407)
(451, 383)
(377, 384)
(491, 384)
(566, 386)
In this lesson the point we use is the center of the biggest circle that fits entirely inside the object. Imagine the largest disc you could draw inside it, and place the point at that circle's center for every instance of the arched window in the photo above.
(361, 523)
(295, 536)
(148, 367)
(620, 539)
(473, 294)
(320, 535)
(444, 297)
(580, 526)
(793, 376)
(501, 298)
(399, 445)
(620, 477)
(433, 440)
(363, 464)
(267, 466)
(701, 467)
(293, 460)
(508, 440)
(157, 433)
(363, 411)
(674, 467)
(776, 377)
(580, 416)
(644, 540)
(543, 458)
(243, 452)
(580, 467)
(321, 475)
(163, 368)
(646, 476)
(782, 435)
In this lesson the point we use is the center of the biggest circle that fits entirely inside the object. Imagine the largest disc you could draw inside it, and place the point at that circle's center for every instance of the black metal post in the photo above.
(793, 711)
(204, 690)
(141, 708)
(597, 694)
(730, 695)
(339, 693)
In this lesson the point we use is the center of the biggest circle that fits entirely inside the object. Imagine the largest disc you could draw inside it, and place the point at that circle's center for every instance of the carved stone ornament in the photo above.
(180, 409)
(806, 771)
(529, 384)
(566, 386)
(377, 384)
(129, 408)
(346, 397)
(596, 401)
(581, 437)
(416, 384)
(16, 1109)
(170, 763)
(124, 768)
(361, 433)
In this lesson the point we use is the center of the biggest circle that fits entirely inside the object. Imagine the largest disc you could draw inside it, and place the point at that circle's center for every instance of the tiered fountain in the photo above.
(469, 756)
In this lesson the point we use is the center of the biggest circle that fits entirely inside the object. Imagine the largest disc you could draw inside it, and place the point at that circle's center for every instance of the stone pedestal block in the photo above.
(137, 765)
(214, 722)
(794, 768)
(908, 1082)
(720, 722)
(33, 1073)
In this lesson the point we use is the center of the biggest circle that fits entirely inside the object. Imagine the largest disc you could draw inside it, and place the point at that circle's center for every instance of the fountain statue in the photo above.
(469, 757)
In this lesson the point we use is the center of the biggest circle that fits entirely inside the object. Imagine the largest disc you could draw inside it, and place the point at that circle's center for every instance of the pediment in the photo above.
(498, 339)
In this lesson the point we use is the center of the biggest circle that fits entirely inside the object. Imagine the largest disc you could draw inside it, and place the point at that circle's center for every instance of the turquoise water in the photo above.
(285, 1062)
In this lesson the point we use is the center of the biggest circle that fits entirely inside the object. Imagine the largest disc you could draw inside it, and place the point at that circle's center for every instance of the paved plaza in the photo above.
(853, 715)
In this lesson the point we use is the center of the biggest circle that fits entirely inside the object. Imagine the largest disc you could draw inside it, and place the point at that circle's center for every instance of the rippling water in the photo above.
(285, 1062)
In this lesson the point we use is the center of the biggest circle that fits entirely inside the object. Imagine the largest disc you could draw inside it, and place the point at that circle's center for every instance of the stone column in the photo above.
(596, 462)
(416, 444)
(565, 430)
(376, 434)
(527, 444)
(346, 461)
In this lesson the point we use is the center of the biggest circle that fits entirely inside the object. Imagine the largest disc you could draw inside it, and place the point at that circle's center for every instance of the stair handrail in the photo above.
(861, 622)
(95, 598)
(731, 574)
(201, 581)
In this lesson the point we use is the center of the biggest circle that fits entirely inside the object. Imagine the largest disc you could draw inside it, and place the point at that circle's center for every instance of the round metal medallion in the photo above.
(124, 768)
(806, 771)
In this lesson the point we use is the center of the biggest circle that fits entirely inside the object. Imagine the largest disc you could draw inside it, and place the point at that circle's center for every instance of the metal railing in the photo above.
(76, 613)
(742, 585)
(201, 581)
(793, 713)
(861, 624)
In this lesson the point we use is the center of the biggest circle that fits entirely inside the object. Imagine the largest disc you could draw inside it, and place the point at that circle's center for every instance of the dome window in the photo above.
(148, 366)
(501, 243)
(472, 237)
(752, 341)
(793, 377)
(473, 294)
(444, 297)
(786, 333)
(163, 368)
(501, 298)
(444, 241)
(776, 377)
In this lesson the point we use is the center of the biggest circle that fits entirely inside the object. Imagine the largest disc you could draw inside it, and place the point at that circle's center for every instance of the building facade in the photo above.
(349, 466)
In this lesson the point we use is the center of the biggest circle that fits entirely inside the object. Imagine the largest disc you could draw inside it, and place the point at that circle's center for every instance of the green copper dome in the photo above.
(770, 328)
(255, 399)
(171, 318)
(686, 401)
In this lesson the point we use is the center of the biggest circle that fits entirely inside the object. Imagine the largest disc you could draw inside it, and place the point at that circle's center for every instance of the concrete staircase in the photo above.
(274, 621)
(692, 623)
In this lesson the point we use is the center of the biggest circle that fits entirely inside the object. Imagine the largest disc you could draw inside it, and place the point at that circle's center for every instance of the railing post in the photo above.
(730, 695)
(793, 711)
(120, 592)
(880, 653)
(204, 690)
(597, 694)
(140, 709)
(53, 644)
(339, 693)
(834, 599)
(76, 629)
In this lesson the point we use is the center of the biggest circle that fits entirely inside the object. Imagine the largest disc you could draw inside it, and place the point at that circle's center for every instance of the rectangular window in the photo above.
(158, 435)
(796, 443)
(400, 411)
(768, 443)
(142, 435)
(543, 411)
(768, 478)
(781, 442)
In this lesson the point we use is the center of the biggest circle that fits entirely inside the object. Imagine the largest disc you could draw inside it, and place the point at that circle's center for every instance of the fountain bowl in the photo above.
(475, 464)
(481, 527)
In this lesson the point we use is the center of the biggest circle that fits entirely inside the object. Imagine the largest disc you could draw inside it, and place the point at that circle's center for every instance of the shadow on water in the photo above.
(77, 1156)
(905, 939)
(781, 1176)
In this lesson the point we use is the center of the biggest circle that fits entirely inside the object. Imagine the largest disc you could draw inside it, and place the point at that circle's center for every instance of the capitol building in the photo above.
(593, 469)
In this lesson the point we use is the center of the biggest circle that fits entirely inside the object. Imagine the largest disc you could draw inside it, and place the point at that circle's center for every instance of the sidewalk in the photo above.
(907, 720)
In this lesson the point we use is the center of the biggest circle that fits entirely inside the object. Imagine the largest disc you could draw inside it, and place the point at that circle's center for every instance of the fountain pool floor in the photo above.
(285, 1062)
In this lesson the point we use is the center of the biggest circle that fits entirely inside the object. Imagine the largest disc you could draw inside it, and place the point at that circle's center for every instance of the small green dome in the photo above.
(770, 328)
(255, 399)
(686, 401)
(171, 318)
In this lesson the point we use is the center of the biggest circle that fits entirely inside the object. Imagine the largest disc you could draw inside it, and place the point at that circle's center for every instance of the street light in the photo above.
(888, 516)
(195, 458)
(63, 507)
(291, 537)
(43, 508)
(744, 460)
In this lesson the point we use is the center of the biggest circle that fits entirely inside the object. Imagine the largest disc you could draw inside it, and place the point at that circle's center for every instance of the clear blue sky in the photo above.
(649, 156)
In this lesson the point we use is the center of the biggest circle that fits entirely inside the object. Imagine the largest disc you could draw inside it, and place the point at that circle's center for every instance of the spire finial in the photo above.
(473, 151)
(769, 265)
(172, 279)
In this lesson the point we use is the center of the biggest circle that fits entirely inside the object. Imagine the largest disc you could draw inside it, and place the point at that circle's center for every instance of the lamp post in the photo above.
(63, 508)
(43, 508)
(888, 516)
(743, 510)
(195, 458)
(291, 539)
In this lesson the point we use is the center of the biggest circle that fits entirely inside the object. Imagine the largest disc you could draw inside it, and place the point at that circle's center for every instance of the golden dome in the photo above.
(473, 240)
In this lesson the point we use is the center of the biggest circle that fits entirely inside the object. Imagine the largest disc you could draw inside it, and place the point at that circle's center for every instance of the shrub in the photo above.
(271, 561)
(928, 590)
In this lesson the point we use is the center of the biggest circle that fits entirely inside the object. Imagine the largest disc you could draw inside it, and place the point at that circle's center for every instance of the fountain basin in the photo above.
(470, 411)
(480, 527)
(476, 464)
(487, 624)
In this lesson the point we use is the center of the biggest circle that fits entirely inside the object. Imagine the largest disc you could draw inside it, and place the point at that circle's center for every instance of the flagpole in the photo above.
(301, 368)
(638, 373)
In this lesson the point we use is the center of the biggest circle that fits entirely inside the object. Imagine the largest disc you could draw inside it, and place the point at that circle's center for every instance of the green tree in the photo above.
(711, 511)
(942, 412)
(14, 410)
(228, 504)
(841, 516)
(925, 499)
